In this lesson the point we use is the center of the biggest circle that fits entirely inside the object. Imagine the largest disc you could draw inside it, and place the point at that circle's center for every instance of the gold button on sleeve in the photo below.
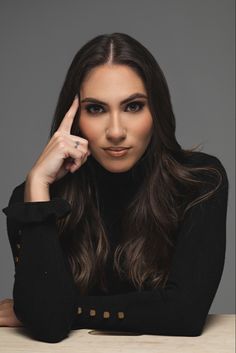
(120, 315)
(92, 312)
(106, 314)
(16, 259)
(79, 311)
(18, 246)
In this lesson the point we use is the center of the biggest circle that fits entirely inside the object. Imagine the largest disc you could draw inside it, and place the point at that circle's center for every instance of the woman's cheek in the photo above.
(144, 128)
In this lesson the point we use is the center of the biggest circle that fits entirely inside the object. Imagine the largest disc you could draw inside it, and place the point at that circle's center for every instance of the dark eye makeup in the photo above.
(90, 107)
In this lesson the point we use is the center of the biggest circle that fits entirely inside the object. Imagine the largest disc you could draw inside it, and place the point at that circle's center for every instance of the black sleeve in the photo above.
(47, 303)
(44, 292)
(182, 306)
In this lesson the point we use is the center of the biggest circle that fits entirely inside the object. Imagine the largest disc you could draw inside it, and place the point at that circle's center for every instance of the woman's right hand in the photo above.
(7, 314)
(51, 164)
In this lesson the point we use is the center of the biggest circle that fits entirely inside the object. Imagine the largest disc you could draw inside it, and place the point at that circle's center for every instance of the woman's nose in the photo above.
(115, 130)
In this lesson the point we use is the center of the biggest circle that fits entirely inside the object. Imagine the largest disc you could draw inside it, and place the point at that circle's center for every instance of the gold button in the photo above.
(92, 312)
(121, 315)
(79, 311)
(18, 246)
(16, 259)
(106, 314)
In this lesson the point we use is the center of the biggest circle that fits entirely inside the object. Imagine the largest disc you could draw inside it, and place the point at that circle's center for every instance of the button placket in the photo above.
(106, 314)
(121, 315)
(18, 245)
(92, 312)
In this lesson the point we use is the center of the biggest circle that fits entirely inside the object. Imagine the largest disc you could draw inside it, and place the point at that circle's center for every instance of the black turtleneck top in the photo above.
(46, 299)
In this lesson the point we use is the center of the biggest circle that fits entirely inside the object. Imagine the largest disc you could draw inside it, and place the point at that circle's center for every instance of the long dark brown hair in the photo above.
(171, 186)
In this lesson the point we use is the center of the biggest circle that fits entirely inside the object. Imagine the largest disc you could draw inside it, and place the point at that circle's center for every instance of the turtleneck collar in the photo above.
(132, 177)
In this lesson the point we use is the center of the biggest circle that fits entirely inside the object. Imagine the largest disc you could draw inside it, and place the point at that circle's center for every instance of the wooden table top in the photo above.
(218, 337)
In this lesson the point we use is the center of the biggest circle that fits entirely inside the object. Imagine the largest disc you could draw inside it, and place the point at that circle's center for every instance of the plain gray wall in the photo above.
(192, 40)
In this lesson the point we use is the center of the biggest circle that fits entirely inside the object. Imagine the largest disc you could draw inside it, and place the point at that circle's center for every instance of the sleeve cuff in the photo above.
(37, 211)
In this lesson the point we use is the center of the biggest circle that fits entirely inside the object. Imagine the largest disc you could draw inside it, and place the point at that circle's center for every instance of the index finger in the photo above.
(68, 119)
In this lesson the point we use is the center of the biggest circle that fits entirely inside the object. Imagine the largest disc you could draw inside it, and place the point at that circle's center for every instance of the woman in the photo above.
(128, 241)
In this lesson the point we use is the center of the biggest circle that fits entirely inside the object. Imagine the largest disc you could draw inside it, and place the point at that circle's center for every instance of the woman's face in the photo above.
(109, 122)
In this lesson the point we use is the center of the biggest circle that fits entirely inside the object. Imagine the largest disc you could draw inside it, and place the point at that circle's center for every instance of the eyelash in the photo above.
(140, 104)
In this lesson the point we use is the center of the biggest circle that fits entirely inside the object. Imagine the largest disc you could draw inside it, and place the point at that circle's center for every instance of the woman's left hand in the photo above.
(7, 315)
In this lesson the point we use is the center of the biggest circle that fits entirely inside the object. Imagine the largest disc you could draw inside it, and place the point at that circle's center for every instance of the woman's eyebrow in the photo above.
(133, 96)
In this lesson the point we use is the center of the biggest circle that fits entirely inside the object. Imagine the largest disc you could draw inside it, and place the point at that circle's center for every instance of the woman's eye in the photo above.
(133, 104)
(94, 109)
(89, 108)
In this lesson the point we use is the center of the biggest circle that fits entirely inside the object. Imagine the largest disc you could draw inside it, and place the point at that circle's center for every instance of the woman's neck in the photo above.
(128, 179)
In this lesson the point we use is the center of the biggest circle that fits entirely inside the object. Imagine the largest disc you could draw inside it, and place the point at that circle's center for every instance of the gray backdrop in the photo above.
(192, 40)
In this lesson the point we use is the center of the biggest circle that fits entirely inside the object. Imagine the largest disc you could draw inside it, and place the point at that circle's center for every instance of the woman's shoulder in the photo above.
(203, 159)
(17, 194)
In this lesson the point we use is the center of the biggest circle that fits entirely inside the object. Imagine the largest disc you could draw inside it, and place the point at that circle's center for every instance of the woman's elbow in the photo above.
(192, 331)
(180, 325)
(47, 335)
(42, 328)
(180, 330)
(191, 326)
(188, 320)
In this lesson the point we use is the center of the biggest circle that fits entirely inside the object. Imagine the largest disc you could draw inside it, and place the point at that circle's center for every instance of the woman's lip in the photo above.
(116, 149)
(117, 153)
